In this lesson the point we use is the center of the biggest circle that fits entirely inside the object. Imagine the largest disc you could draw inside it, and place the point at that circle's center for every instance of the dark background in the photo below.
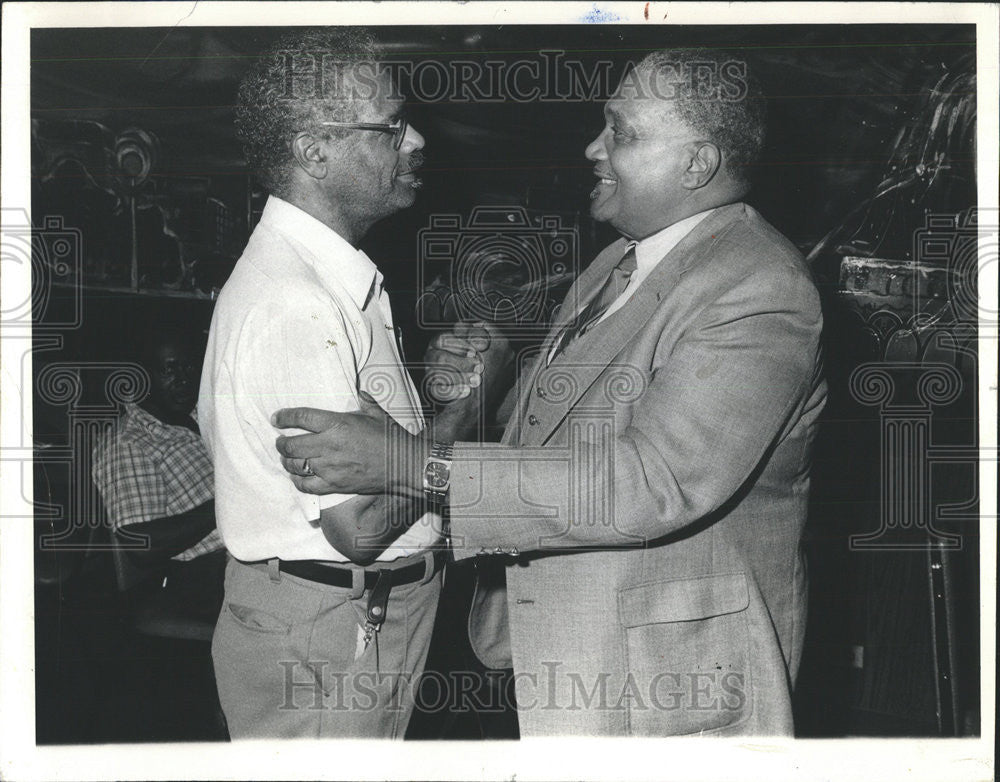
(851, 111)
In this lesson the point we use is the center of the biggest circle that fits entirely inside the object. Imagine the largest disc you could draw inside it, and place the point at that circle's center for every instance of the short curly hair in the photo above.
(715, 93)
(293, 86)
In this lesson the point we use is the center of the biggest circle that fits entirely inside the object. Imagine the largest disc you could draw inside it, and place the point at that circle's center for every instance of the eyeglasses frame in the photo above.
(398, 129)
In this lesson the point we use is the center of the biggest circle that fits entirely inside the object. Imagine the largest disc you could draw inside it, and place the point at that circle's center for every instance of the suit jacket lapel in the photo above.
(587, 285)
(587, 358)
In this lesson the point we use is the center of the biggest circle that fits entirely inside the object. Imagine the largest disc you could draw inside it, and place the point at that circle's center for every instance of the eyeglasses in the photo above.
(397, 129)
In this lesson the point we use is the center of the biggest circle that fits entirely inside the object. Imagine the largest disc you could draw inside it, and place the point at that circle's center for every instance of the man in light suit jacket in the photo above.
(648, 498)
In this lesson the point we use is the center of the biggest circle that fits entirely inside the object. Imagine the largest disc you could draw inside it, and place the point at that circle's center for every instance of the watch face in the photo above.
(437, 475)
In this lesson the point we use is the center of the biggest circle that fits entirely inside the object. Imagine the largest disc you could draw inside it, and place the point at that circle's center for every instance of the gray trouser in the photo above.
(291, 662)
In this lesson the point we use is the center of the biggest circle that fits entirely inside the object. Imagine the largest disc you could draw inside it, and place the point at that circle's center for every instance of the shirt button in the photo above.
(532, 420)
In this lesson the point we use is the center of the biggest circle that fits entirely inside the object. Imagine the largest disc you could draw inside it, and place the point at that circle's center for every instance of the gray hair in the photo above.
(294, 86)
(716, 94)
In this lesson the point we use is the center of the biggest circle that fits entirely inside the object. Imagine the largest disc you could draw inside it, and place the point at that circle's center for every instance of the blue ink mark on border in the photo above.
(597, 16)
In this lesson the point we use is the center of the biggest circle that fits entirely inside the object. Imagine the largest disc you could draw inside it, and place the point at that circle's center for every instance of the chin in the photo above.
(405, 197)
(600, 214)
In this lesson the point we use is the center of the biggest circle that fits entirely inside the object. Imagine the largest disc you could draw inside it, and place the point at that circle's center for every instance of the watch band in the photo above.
(437, 473)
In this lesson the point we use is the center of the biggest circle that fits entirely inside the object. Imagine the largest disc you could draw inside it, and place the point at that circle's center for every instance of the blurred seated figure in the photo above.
(155, 478)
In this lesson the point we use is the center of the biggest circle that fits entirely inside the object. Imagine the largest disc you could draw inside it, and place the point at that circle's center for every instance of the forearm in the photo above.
(169, 536)
(459, 420)
(547, 499)
(696, 431)
(362, 528)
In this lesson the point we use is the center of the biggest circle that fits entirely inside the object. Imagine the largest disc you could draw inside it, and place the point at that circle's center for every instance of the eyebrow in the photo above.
(617, 117)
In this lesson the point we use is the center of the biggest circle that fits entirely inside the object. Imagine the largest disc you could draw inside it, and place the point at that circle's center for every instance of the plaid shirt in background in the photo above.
(147, 470)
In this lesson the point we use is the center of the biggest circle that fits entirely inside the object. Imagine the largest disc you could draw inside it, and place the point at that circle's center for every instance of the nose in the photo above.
(186, 372)
(596, 150)
(412, 141)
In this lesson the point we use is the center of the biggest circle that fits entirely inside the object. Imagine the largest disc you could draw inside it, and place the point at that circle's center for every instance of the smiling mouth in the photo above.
(603, 182)
(411, 178)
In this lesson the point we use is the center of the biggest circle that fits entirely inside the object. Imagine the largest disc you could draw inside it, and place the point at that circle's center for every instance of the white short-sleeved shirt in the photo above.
(302, 322)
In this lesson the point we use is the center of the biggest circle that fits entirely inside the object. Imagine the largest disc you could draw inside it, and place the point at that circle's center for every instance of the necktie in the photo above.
(615, 285)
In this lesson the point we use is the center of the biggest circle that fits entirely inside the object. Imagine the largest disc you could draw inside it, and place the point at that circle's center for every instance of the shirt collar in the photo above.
(651, 250)
(337, 263)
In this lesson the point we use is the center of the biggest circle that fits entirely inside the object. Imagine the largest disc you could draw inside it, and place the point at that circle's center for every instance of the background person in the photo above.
(155, 479)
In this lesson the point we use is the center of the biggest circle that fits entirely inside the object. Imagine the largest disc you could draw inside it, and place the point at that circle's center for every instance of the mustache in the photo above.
(414, 161)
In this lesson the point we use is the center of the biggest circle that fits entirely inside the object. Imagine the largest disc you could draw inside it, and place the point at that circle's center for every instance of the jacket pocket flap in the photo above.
(683, 599)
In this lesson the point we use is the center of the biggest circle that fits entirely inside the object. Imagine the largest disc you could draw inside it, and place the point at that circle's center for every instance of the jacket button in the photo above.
(541, 392)
(532, 420)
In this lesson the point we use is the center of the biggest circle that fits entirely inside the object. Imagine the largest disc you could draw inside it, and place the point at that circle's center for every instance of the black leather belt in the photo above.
(341, 576)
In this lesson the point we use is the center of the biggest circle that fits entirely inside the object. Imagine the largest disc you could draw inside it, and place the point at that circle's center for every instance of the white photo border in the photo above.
(747, 759)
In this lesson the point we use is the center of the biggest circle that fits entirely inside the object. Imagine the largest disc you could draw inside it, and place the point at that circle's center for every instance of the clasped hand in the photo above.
(347, 453)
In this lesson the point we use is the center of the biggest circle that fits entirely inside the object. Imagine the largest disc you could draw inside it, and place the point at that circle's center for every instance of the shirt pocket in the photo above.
(688, 655)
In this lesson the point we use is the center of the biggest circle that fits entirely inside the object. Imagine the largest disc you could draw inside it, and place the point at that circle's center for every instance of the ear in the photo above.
(310, 154)
(703, 164)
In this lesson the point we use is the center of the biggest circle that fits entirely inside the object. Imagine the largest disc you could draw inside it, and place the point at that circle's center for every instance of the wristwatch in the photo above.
(437, 473)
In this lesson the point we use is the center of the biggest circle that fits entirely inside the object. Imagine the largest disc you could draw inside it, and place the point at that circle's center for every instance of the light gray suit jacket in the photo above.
(648, 500)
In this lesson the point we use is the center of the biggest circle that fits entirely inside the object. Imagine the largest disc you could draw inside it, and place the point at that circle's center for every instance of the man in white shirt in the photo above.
(324, 629)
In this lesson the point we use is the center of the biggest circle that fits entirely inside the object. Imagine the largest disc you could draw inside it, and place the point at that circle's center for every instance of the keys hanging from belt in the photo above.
(378, 607)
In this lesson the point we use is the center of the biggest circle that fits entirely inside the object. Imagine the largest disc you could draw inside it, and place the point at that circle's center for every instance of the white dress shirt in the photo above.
(302, 322)
(648, 254)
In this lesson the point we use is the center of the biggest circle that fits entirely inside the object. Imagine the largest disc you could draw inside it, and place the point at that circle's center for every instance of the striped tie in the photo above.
(616, 284)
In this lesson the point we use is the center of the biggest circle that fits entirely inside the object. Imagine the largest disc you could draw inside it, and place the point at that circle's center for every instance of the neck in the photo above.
(332, 216)
(694, 206)
(161, 413)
